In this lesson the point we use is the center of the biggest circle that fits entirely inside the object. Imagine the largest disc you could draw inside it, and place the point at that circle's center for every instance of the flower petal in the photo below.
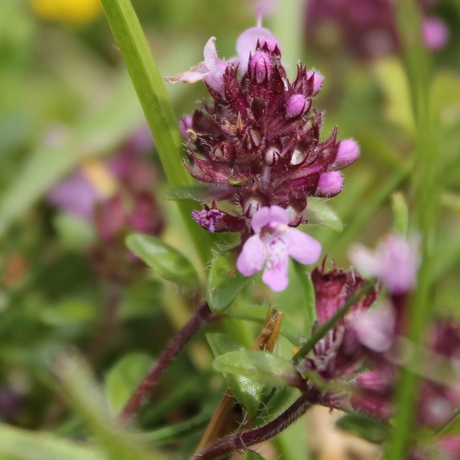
(269, 215)
(302, 247)
(246, 45)
(276, 276)
(252, 256)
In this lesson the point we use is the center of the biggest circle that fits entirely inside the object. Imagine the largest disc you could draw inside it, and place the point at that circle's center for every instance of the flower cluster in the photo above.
(367, 29)
(115, 197)
(365, 349)
(257, 143)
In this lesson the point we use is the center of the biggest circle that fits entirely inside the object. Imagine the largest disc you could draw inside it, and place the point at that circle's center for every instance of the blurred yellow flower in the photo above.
(73, 12)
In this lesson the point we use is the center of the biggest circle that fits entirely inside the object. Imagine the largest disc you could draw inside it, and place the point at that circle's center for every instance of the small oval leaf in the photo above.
(318, 212)
(168, 262)
(260, 366)
(224, 282)
(124, 377)
(246, 391)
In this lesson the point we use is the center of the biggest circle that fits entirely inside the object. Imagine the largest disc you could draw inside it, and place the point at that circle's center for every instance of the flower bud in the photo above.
(184, 125)
(260, 67)
(295, 106)
(317, 80)
(347, 153)
(330, 184)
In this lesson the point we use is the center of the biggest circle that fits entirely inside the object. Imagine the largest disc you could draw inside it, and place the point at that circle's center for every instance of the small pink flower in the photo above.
(211, 70)
(395, 262)
(272, 244)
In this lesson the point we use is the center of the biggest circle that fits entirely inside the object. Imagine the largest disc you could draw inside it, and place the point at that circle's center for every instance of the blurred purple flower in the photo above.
(395, 262)
(272, 244)
(366, 28)
(75, 195)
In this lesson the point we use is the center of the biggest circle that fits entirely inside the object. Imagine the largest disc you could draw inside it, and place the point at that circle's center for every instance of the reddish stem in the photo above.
(244, 439)
(201, 316)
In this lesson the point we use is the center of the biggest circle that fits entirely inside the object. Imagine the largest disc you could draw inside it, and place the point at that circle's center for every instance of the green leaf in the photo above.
(224, 282)
(124, 377)
(69, 312)
(309, 309)
(168, 262)
(259, 365)
(246, 391)
(365, 427)
(318, 212)
(20, 444)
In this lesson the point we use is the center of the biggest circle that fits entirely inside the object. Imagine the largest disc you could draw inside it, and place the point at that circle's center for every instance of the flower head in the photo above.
(259, 137)
(272, 244)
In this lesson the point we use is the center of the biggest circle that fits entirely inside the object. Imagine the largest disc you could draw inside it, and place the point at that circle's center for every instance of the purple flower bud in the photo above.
(330, 184)
(347, 153)
(247, 42)
(260, 67)
(317, 80)
(271, 43)
(184, 125)
(208, 218)
(295, 106)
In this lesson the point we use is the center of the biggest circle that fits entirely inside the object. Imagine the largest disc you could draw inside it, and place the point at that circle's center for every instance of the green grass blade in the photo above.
(158, 110)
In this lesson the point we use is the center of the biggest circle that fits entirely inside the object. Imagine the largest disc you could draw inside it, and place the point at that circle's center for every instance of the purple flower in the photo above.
(435, 33)
(271, 245)
(259, 137)
(395, 262)
(211, 70)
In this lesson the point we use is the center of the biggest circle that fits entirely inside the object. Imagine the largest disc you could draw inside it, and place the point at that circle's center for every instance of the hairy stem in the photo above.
(201, 316)
(247, 438)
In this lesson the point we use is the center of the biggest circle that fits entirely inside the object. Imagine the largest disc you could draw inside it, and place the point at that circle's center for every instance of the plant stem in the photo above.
(158, 110)
(201, 316)
(247, 438)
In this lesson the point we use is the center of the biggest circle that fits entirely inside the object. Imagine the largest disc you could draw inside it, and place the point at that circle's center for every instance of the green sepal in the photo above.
(168, 262)
(224, 282)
